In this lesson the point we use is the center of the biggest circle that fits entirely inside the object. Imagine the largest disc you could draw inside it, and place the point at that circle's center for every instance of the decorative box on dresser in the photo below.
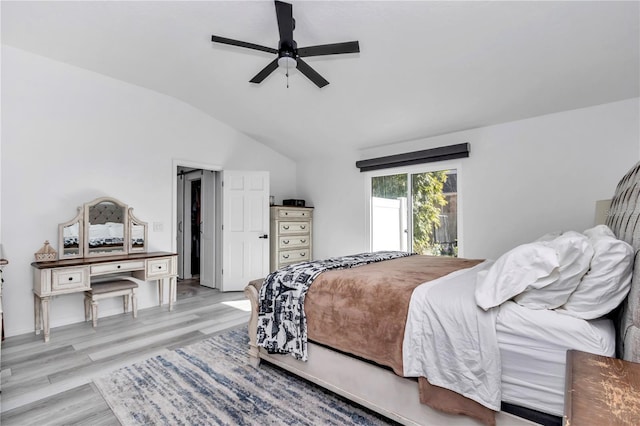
(291, 235)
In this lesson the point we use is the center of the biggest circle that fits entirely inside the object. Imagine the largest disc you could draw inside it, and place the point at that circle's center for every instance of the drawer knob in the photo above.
(303, 227)
(286, 213)
(70, 278)
(119, 266)
(286, 256)
(303, 241)
(285, 241)
(285, 226)
(303, 253)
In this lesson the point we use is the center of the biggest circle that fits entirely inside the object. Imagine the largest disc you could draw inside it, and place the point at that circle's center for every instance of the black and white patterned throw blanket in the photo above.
(282, 326)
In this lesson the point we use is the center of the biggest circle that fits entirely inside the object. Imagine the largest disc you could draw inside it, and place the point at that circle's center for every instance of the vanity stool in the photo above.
(125, 288)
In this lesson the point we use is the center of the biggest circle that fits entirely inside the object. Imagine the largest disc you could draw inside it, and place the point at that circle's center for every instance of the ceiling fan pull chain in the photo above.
(287, 74)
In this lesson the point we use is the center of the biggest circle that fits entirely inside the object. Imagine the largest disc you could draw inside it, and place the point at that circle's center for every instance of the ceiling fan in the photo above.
(289, 55)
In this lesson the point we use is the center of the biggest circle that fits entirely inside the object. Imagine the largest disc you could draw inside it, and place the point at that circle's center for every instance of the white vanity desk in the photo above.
(105, 240)
(74, 276)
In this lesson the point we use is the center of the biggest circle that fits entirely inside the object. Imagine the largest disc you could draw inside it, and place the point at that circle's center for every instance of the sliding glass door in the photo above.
(415, 212)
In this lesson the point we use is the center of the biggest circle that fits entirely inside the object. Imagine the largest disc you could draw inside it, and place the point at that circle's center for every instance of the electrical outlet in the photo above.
(158, 227)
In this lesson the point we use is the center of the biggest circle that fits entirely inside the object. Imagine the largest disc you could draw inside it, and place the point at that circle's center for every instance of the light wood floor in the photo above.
(51, 383)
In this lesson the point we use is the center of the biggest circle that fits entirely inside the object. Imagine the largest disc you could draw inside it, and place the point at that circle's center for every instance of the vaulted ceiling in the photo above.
(425, 67)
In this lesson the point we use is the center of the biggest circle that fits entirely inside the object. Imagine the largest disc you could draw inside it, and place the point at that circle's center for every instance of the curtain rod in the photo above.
(442, 153)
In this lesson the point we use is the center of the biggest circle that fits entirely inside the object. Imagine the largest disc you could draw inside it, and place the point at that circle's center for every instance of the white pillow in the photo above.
(599, 231)
(137, 232)
(607, 282)
(532, 265)
(71, 231)
(98, 231)
(116, 230)
(574, 256)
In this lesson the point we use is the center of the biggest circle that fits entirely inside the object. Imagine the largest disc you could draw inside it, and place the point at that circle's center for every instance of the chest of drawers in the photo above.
(291, 235)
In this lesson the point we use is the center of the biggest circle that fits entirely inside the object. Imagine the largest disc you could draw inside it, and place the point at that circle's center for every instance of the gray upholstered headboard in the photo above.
(624, 219)
(104, 212)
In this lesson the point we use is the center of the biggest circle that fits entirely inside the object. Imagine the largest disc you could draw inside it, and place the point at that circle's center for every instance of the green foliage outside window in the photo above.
(391, 187)
(428, 201)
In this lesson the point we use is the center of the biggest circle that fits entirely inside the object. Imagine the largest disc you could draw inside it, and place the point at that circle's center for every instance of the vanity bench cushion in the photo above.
(110, 286)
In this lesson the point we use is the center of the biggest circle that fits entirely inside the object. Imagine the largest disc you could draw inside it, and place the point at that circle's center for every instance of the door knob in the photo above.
(265, 236)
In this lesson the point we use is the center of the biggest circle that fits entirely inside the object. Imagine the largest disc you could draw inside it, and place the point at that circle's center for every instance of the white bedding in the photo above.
(466, 361)
(523, 351)
(533, 345)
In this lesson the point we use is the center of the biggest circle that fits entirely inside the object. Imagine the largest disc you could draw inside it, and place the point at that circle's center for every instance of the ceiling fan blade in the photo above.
(311, 74)
(239, 43)
(286, 24)
(330, 49)
(273, 65)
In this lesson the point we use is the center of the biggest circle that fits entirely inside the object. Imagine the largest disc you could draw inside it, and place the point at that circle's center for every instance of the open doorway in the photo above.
(195, 225)
(229, 256)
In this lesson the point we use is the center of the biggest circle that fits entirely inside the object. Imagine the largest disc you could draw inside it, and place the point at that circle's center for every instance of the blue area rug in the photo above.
(211, 383)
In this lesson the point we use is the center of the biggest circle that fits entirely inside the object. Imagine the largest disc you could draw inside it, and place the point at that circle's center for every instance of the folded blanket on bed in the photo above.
(451, 341)
(281, 317)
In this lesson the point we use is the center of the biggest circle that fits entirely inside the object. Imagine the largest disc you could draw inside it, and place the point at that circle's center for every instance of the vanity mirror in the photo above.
(103, 227)
(138, 234)
(105, 230)
(70, 237)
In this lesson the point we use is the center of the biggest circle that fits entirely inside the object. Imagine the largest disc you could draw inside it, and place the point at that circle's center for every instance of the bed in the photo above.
(529, 341)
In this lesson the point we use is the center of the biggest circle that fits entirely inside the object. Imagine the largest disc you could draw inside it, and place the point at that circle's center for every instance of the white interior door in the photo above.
(207, 230)
(245, 228)
(188, 232)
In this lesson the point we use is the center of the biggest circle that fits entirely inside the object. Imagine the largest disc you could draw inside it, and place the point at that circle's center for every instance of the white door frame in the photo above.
(174, 193)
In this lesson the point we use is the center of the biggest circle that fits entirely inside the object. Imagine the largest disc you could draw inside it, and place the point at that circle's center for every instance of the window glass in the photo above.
(428, 224)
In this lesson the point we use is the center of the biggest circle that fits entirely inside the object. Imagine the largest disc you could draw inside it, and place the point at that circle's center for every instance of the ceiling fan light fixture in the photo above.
(287, 63)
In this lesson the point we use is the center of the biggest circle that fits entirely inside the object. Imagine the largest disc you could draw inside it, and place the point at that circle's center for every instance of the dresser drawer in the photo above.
(158, 267)
(294, 227)
(293, 256)
(293, 242)
(64, 279)
(110, 268)
(293, 213)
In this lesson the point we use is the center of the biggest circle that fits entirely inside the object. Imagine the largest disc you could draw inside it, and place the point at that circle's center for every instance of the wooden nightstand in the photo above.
(601, 391)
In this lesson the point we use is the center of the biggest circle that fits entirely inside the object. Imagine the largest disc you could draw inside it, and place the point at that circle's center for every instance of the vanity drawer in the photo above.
(110, 268)
(64, 279)
(294, 227)
(293, 213)
(159, 267)
(293, 242)
(290, 256)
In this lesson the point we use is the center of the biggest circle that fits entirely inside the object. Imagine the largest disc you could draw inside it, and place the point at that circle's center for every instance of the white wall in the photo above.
(522, 179)
(69, 136)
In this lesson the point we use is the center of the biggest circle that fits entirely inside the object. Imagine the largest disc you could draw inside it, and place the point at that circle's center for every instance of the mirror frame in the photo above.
(79, 220)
